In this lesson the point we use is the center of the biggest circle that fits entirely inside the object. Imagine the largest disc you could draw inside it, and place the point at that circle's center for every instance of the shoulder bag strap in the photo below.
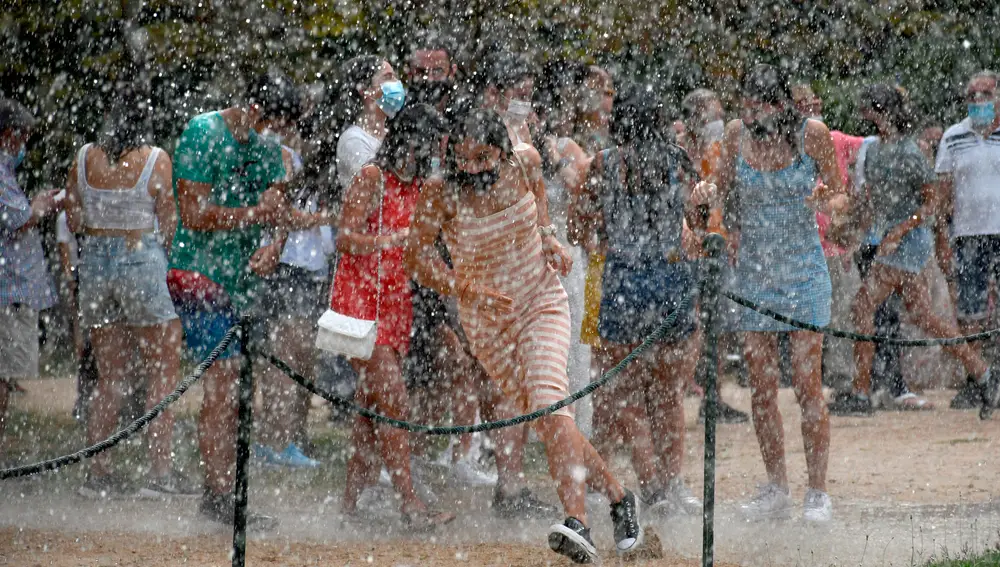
(378, 269)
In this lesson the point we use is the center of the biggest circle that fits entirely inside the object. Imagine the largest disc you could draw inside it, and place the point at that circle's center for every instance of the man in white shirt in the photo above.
(968, 166)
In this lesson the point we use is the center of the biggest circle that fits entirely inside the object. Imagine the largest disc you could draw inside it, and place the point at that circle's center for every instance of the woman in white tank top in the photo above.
(120, 198)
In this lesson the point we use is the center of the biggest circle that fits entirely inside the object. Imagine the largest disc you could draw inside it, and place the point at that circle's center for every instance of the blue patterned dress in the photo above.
(780, 264)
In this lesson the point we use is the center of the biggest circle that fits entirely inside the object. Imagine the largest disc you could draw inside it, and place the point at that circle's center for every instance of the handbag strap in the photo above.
(378, 269)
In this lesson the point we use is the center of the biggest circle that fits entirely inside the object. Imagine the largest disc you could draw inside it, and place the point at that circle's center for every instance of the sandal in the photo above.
(426, 520)
(908, 402)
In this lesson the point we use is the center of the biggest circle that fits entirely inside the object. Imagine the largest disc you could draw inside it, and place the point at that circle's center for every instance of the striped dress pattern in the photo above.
(525, 351)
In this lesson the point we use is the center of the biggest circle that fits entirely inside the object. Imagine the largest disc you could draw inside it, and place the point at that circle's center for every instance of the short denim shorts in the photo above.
(124, 285)
(637, 297)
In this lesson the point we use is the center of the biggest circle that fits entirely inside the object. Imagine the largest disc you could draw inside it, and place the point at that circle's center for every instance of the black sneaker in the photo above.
(572, 539)
(522, 505)
(850, 404)
(625, 517)
(968, 397)
(990, 394)
(107, 487)
(221, 508)
(726, 413)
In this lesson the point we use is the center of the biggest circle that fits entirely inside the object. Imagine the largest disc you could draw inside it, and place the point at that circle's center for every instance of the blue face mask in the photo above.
(981, 113)
(392, 99)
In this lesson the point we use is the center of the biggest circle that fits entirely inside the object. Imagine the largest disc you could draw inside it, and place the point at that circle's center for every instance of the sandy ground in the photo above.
(906, 487)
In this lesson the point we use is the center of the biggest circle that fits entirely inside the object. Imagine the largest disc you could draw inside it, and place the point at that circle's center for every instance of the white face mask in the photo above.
(518, 110)
(818, 118)
(713, 131)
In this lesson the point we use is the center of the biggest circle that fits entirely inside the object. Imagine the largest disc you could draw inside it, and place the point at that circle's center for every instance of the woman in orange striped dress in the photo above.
(512, 306)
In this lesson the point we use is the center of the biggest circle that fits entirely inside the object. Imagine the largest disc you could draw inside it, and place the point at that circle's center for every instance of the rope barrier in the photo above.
(308, 384)
(858, 337)
(153, 413)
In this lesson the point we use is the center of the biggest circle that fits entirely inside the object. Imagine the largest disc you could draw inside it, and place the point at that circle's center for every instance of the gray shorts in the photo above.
(18, 341)
(124, 285)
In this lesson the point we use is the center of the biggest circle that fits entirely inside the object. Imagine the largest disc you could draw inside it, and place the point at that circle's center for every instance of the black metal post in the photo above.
(243, 432)
(713, 243)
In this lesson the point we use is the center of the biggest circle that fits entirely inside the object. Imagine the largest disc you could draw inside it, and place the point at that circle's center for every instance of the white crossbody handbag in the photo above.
(350, 336)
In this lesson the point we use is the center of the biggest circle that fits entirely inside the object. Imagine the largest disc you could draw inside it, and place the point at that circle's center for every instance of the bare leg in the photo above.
(159, 348)
(363, 460)
(453, 361)
(286, 405)
(630, 417)
(381, 384)
(807, 356)
(604, 429)
(569, 464)
(110, 348)
(509, 442)
(217, 425)
(918, 303)
(665, 400)
(874, 290)
(761, 352)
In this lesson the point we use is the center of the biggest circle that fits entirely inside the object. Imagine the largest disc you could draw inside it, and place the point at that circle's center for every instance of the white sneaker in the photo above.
(469, 472)
(682, 498)
(818, 507)
(771, 503)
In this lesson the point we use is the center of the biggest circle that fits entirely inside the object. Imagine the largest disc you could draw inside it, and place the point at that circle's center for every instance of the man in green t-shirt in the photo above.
(228, 181)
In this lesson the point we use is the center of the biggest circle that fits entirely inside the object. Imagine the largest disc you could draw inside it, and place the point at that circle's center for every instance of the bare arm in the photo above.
(725, 172)
(360, 201)
(555, 255)
(832, 196)
(423, 260)
(585, 220)
(166, 208)
(304, 220)
(532, 164)
(198, 213)
(74, 206)
(574, 166)
(942, 221)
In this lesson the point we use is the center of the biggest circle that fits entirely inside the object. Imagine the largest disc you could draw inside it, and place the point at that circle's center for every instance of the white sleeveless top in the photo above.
(117, 209)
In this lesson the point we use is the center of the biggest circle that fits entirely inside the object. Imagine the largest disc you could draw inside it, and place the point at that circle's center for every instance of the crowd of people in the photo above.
(513, 236)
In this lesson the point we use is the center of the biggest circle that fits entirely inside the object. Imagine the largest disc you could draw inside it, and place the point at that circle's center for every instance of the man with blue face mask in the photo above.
(25, 288)
(968, 165)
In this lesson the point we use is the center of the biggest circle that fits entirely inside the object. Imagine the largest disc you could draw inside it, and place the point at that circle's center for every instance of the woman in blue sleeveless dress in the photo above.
(772, 159)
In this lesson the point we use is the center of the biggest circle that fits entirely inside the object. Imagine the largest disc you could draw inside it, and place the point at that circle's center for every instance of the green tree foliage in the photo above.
(66, 58)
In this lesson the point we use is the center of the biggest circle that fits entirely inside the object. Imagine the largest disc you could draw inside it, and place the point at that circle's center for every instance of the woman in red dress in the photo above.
(372, 283)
